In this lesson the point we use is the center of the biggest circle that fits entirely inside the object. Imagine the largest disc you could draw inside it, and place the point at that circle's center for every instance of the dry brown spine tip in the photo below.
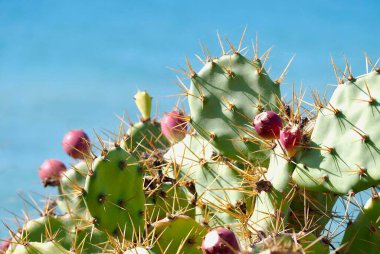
(351, 78)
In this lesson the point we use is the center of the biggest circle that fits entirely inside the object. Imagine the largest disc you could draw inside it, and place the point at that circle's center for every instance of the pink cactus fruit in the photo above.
(174, 126)
(220, 241)
(76, 144)
(290, 139)
(50, 172)
(4, 245)
(268, 125)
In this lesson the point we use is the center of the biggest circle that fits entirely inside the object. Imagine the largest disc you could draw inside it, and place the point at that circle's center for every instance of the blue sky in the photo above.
(75, 64)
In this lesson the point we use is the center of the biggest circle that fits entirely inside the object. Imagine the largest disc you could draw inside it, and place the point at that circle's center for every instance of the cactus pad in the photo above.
(178, 234)
(344, 152)
(114, 193)
(224, 98)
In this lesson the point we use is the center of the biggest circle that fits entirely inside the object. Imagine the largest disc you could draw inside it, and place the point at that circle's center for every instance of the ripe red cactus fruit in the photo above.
(174, 126)
(50, 172)
(290, 139)
(76, 144)
(268, 125)
(4, 246)
(220, 241)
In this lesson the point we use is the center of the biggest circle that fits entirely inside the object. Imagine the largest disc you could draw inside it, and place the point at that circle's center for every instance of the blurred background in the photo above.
(77, 64)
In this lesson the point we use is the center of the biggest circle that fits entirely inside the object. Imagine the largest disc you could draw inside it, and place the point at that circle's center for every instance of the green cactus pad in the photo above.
(178, 234)
(90, 240)
(138, 250)
(192, 149)
(167, 198)
(47, 228)
(220, 193)
(287, 243)
(362, 236)
(219, 186)
(39, 248)
(274, 198)
(279, 243)
(344, 152)
(114, 193)
(144, 137)
(311, 244)
(311, 210)
(72, 181)
(224, 98)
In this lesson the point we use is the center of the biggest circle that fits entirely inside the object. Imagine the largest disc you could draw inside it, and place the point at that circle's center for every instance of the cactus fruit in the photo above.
(178, 234)
(174, 125)
(220, 241)
(268, 125)
(4, 245)
(76, 144)
(223, 97)
(50, 172)
(343, 155)
(114, 193)
(144, 104)
(144, 136)
(290, 139)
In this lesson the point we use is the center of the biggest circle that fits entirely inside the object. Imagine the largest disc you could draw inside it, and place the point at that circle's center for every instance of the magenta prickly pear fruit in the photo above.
(268, 125)
(290, 139)
(76, 144)
(174, 126)
(4, 246)
(220, 241)
(50, 172)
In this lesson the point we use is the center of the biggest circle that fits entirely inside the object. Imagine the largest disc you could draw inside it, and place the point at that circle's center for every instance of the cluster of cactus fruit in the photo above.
(245, 172)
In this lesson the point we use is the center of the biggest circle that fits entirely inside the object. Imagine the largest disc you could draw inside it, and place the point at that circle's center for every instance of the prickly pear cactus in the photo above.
(275, 194)
(70, 189)
(311, 210)
(145, 135)
(88, 239)
(255, 174)
(224, 98)
(138, 250)
(47, 228)
(166, 198)
(39, 248)
(178, 234)
(219, 191)
(343, 155)
(114, 193)
(364, 231)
